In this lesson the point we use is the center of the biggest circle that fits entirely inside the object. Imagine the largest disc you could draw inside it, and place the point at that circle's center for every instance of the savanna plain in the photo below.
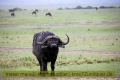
(94, 39)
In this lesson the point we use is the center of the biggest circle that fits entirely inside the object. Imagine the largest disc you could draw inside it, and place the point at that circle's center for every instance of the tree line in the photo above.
(88, 7)
(18, 9)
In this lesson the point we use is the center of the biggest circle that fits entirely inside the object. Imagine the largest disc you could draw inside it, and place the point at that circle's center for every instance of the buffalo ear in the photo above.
(62, 46)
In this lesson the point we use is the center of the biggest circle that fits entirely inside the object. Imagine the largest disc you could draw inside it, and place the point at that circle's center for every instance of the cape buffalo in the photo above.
(46, 47)
(49, 14)
(12, 14)
(34, 12)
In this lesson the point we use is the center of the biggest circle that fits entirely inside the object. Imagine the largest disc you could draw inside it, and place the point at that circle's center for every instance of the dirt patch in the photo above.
(62, 79)
(7, 25)
(66, 51)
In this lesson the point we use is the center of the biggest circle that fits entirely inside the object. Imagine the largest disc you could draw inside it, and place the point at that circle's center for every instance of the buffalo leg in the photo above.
(52, 65)
(44, 64)
(40, 63)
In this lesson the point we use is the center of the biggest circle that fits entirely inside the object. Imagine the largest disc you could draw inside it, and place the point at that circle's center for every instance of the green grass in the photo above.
(24, 60)
(27, 59)
(89, 30)
(78, 35)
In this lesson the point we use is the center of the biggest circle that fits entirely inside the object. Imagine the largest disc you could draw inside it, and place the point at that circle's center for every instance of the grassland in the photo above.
(94, 39)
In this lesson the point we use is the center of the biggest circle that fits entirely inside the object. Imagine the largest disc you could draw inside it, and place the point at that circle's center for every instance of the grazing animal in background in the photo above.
(96, 8)
(34, 12)
(46, 47)
(48, 14)
(12, 14)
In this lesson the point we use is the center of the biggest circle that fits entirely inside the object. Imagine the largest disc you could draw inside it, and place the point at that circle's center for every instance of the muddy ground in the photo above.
(62, 79)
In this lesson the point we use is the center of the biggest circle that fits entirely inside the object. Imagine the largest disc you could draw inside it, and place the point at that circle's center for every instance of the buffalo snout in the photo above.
(53, 44)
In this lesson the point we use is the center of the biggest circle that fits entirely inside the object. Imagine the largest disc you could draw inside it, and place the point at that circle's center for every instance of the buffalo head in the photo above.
(52, 42)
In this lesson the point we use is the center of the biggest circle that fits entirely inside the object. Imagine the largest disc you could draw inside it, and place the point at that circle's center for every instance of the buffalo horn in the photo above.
(48, 37)
(64, 43)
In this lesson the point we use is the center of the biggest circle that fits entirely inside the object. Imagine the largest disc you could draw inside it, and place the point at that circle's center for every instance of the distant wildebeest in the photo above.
(46, 47)
(34, 12)
(96, 8)
(12, 14)
(48, 14)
